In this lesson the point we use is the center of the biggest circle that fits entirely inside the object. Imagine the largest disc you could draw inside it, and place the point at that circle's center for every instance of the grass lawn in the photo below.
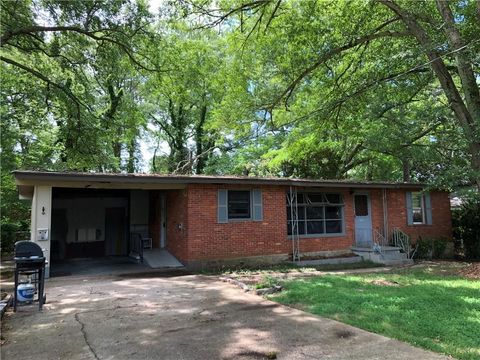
(426, 307)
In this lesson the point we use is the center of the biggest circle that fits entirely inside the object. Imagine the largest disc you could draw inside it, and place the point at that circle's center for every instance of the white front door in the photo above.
(363, 220)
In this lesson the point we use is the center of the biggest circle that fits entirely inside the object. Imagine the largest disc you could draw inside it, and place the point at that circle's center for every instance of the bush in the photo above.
(467, 227)
(11, 233)
(430, 248)
(266, 282)
(8, 231)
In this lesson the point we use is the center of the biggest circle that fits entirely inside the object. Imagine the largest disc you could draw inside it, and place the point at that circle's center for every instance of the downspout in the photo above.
(385, 215)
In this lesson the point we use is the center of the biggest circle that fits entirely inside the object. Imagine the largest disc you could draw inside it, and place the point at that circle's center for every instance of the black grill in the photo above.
(29, 261)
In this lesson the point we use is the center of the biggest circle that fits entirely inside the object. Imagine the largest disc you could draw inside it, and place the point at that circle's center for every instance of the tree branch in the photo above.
(330, 54)
(29, 31)
(42, 77)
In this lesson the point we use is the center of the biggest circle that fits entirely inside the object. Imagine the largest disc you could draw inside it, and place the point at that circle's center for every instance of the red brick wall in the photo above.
(210, 240)
(203, 238)
(177, 224)
(441, 215)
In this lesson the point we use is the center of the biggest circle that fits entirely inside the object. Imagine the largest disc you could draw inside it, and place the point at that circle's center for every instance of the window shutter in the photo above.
(222, 207)
(409, 209)
(257, 205)
(428, 208)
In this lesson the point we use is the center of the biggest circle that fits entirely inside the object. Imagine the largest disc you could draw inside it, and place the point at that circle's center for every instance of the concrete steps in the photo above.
(389, 255)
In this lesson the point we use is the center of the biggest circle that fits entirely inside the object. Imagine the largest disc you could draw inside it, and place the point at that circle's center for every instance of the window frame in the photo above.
(422, 208)
(250, 206)
(324, 220)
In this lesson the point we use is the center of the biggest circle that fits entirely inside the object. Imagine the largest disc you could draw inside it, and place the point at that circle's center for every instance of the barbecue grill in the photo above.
(29, 261)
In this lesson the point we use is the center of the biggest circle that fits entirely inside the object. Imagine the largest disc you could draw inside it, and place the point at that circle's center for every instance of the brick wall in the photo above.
(202, 238)
(210, 240)
(177, 224)
(441, 215)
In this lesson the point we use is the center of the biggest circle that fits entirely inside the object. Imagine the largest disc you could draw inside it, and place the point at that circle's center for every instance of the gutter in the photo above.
(32, 177)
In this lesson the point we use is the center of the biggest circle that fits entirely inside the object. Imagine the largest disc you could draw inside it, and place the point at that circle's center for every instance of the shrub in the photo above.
(266, 282)
(457, 238)
(8, 231)
(430, 248)
(467, 227)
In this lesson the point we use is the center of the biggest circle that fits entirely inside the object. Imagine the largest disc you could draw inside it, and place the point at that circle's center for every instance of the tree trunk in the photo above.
(115, 98)
(406, 170)
(199, 141)
(132, 147)
(469, 121)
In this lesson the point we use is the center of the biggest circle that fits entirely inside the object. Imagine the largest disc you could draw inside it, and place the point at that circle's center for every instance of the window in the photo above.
(418, 208)
(361, 205)
(239, 204)
(318, 214)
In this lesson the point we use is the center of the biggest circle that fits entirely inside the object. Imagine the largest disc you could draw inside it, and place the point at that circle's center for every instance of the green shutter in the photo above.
(428, 208)
(409, 209)
(257, 205)
(222, 206)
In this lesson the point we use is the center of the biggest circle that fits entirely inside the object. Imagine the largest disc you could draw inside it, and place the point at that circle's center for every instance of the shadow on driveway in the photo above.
(181, 317)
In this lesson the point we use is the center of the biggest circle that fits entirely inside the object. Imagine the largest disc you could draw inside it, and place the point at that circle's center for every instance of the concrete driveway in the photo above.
(183, 317)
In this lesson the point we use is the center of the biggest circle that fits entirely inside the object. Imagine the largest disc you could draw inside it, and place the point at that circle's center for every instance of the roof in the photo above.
(26, 179)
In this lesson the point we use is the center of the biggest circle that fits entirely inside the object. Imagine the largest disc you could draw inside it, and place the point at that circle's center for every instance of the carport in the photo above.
(99, 223)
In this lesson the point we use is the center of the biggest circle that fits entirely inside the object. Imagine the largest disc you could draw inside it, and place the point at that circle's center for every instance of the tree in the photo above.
(82, 43)
(182, 101)
(464, 100)
(352, 48)
(69, 89)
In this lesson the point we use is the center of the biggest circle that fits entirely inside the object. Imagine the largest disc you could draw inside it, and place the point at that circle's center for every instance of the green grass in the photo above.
(427, 309)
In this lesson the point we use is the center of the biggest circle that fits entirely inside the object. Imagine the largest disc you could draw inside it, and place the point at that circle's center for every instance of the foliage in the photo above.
(288, 88)
(350, 86)
(69, 90)
(11, 233)
(430, 248)
(404, 311)
(467, 227)
(266, 282)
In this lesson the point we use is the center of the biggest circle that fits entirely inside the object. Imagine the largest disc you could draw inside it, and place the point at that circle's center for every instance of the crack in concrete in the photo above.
(84, 333)
(82, 324)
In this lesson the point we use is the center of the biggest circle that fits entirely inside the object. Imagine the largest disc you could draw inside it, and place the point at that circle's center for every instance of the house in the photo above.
(205, 220)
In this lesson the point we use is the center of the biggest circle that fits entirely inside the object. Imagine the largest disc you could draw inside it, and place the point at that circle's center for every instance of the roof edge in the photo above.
(32, 176)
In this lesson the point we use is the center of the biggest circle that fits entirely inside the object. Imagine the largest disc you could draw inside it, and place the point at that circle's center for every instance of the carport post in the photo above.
(41, 215)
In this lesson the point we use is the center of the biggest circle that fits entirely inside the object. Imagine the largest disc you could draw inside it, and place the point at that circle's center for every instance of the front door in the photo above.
(115, 226)
(363, 220)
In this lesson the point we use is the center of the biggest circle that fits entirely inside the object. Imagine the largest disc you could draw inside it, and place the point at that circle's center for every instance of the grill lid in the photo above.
(26, 250)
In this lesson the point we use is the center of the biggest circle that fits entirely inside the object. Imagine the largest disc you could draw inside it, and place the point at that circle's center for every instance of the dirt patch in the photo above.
(382, 282)
(344, 334)
(256, 355)
(259, 307)
(320, 257)
(471, 271)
